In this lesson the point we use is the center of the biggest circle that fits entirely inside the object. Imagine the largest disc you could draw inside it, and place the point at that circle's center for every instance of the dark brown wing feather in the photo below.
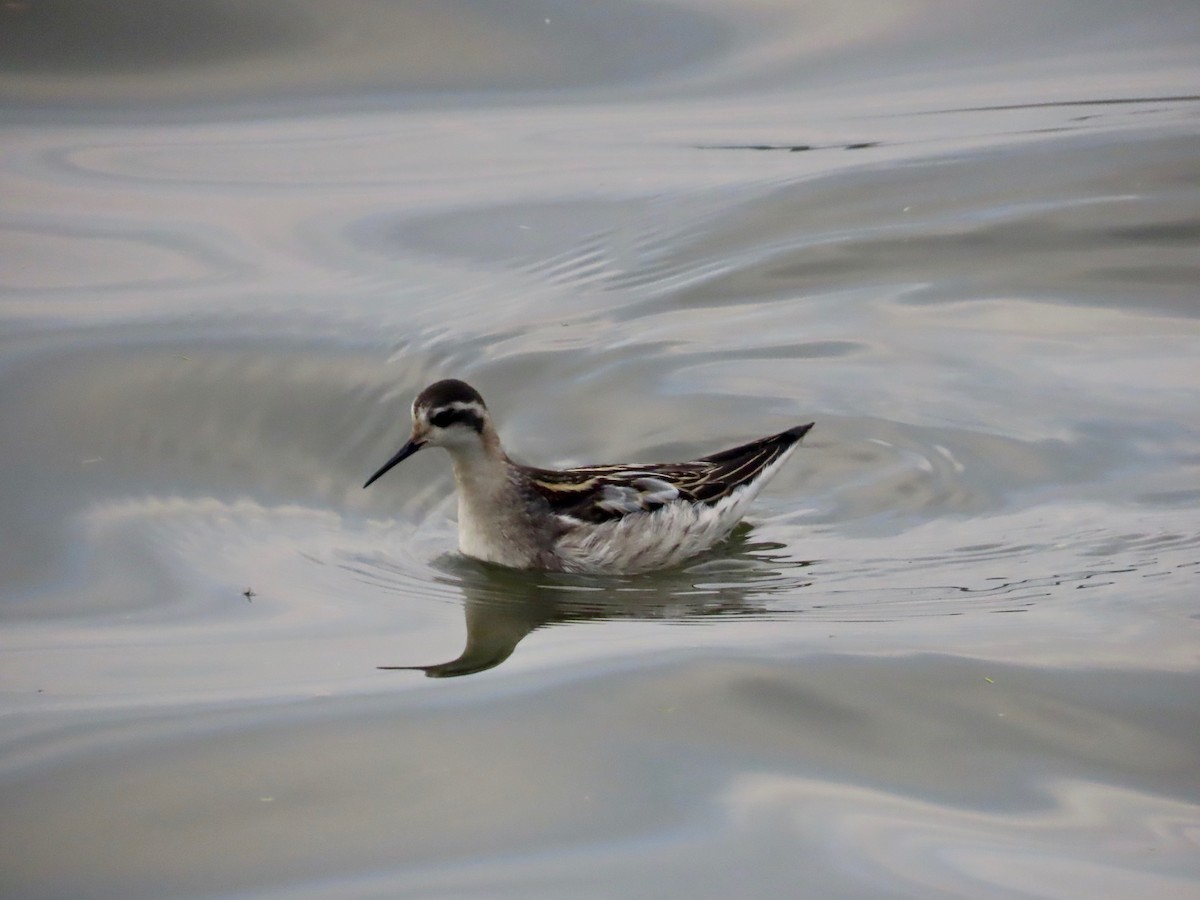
(578, 493)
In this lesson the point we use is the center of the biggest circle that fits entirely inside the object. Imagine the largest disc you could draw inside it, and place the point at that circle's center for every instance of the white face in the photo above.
(456, 424)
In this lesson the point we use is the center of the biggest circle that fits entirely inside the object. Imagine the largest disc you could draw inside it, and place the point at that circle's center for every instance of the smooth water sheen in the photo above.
(956, 650)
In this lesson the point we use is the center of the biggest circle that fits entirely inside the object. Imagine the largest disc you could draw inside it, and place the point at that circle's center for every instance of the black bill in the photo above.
(405, 452)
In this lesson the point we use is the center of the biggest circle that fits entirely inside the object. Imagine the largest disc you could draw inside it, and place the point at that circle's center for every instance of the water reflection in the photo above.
(502, 606)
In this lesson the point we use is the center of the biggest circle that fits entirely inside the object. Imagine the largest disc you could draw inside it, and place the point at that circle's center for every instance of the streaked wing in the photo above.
(602, 493)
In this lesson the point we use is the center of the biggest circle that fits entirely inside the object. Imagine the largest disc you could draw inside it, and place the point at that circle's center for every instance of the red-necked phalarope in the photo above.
(615, 519)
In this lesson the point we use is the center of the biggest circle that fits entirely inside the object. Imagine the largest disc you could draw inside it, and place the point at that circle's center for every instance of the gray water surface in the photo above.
(954, 652)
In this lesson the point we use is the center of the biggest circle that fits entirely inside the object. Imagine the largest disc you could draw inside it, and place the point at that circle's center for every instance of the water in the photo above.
(955, 653)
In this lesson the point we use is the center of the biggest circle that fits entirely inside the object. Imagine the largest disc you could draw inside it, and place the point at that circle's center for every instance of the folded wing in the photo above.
(603, 493)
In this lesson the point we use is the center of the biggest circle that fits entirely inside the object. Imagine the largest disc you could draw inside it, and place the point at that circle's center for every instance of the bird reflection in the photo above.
(502, 605)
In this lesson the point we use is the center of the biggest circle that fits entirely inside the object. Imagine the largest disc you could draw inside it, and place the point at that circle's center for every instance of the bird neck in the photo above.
(481, 469)
(493, 519)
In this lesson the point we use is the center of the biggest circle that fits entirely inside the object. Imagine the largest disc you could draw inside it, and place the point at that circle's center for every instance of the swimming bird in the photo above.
(615, 519)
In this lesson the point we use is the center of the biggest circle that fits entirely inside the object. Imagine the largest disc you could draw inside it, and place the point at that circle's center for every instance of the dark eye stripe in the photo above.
(444, 418)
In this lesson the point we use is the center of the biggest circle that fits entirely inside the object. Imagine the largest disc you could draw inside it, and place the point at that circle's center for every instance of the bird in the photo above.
(604, 519)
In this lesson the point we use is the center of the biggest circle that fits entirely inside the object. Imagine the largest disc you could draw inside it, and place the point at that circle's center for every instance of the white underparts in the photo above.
(661, 538)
